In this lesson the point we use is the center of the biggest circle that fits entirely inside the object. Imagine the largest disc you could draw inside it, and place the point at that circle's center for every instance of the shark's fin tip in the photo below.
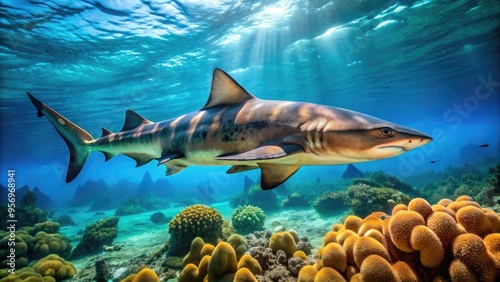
(133, 120)
(225, 91)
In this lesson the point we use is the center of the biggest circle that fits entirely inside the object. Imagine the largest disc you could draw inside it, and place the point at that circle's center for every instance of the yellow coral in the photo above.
(189, 273)
(300, 254)
(376, 268)
(307, 273)
(244, 275)
(353, 223)
(423, 239)
(247, 261)
(194, 221)
(400, 226)
(146, 275)
(239, 245)
(55, 266)
(283, 241)
(474, 220)
(335, 257)
(420, 206)
(223, 261)
(366, 246)
(471, 251)
(194, 253)
(327, 274)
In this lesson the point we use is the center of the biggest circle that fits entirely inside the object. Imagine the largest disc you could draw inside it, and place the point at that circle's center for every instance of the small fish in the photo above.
(433, 162)
(484, 145)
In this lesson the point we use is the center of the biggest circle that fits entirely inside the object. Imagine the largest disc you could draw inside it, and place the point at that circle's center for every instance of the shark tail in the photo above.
(75, 137)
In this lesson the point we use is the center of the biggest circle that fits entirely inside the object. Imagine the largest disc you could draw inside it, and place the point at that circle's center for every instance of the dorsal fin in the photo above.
(133, 120)
(226, 91)
(105, 132)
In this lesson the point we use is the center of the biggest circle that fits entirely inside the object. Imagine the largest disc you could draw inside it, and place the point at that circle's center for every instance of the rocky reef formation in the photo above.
(352, 172)
(100, 233)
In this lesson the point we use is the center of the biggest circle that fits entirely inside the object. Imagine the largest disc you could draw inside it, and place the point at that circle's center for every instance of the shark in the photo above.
(234, 128)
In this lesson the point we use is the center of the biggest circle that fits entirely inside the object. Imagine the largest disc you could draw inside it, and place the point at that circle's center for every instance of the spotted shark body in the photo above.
(235, 128)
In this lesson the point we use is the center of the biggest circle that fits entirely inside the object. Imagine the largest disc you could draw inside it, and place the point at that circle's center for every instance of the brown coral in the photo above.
(400, 226)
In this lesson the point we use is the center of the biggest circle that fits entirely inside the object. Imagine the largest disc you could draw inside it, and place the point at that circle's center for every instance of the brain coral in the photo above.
(55, 266)
(51, 244)
(450, 241)
(247, 219)
(194, 221)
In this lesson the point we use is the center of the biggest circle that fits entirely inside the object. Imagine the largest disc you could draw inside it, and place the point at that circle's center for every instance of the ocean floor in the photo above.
(140, 237)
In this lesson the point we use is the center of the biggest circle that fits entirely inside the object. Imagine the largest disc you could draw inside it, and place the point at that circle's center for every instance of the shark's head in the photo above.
(354, 137)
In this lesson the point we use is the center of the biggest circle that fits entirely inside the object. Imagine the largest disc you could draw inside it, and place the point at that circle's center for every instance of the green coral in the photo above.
(131, 206)
(493, 179)
(194, 221)
(364, 199)
(247, 219)
(381, 179)
(51, 244)
(47, 227)
(26, 212)
(330, 203)
(25, 274)
(102, 232)
(55, 266)
(18, 244)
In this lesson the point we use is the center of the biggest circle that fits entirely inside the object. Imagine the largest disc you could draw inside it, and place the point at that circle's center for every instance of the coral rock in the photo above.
(252, 264)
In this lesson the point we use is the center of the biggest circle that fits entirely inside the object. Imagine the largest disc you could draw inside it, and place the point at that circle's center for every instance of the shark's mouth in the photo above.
(393, 147)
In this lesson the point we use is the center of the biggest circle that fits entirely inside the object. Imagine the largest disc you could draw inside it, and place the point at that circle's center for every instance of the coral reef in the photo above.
(330, 203)
(363, 199)
(26, 210)
(159, 218)
(230, 261)
(194, 221)
(51, 244)
(247, 219)
(54, 266)
(130, 206)
(144, 275)
(452, 240)
(295, 200)
(102, 232)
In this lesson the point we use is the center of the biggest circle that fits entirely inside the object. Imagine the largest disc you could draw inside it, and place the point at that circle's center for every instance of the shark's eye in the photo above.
(386, 131)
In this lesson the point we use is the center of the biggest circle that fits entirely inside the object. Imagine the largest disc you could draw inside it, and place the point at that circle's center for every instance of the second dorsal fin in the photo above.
(133, 120)
(226, 91)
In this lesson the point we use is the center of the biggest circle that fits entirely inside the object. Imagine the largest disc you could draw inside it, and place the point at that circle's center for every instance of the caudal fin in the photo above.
(74, 136)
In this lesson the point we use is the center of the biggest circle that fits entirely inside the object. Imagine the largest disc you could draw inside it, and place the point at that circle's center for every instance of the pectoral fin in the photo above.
(240, 168)
(272, 175)
(264, 153)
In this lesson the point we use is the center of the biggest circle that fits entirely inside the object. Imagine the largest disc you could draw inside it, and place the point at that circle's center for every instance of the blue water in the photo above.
(429, 65)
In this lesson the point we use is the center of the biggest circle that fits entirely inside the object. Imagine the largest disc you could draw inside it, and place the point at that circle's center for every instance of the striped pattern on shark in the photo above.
(236, 129)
